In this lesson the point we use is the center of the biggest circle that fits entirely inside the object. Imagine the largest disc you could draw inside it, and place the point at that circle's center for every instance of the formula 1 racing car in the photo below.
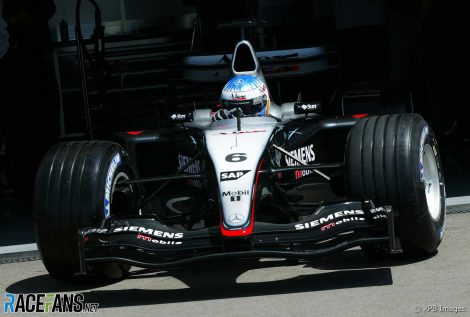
(252, 179)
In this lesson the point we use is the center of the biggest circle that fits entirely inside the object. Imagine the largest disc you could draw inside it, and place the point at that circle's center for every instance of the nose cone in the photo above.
(237, 156)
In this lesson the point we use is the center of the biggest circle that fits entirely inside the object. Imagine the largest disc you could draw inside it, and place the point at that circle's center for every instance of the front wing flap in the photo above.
(146, 242)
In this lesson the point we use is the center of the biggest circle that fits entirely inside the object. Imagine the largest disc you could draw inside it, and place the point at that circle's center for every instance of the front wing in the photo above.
(145, 242)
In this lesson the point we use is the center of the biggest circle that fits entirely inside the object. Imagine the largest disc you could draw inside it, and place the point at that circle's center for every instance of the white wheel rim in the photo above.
(119, 177)
(431, 182)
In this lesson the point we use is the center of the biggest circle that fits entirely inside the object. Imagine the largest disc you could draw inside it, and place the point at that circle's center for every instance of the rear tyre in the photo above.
(76, 187)
(394, 160)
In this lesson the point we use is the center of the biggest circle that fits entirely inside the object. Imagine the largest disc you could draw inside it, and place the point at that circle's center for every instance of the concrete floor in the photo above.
(346, 284)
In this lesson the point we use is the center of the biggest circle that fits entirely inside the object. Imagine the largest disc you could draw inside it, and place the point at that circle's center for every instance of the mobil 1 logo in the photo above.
(232, 175)
(235, 195)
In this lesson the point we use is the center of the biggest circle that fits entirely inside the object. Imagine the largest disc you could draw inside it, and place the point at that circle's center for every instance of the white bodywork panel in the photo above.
(236, 173)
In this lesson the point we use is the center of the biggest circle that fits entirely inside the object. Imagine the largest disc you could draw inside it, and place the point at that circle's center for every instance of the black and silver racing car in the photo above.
(298, 183)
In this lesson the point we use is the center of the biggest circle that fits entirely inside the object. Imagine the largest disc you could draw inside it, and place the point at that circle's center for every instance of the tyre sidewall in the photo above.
(116, 165)
(423, 231)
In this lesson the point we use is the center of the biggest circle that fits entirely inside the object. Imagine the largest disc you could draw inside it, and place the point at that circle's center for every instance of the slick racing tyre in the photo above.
(76, 187)
(394, 160)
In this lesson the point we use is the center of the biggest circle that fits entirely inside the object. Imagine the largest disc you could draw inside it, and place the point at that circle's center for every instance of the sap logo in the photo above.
(232, 175)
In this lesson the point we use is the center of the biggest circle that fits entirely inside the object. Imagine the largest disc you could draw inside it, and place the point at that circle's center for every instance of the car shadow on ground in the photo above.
(220, 280)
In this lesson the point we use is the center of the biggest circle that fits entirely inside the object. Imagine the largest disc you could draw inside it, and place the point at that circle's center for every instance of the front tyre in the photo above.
(76, 187)
(394, 160)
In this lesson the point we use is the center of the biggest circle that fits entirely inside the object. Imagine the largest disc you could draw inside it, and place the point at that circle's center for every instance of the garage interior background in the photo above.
(146, 40)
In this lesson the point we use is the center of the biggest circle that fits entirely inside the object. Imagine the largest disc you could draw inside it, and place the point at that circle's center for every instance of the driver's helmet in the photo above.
(248, 93)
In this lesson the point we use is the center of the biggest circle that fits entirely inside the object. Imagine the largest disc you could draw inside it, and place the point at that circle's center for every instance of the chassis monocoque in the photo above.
(296, 184)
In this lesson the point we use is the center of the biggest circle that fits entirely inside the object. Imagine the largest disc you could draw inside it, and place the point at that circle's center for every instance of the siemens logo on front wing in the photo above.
(329, 218)
(152, 232)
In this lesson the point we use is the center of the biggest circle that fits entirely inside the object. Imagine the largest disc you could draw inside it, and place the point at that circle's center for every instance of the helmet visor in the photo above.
(252, 107)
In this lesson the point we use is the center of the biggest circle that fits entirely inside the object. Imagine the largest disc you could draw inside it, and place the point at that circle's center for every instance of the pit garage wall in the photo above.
(123, 16)
(446, 49)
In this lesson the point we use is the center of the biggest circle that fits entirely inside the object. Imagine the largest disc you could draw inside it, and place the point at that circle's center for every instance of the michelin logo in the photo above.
(109, 183)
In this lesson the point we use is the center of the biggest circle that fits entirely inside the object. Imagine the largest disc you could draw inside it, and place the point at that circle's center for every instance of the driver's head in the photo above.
(247, 93)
